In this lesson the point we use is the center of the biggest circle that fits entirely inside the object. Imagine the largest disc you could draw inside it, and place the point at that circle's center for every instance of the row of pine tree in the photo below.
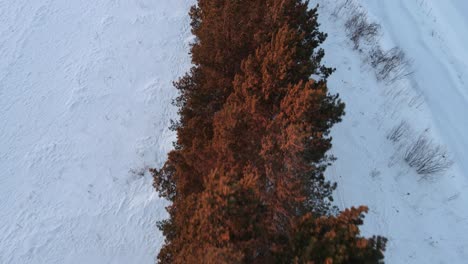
(246, 178)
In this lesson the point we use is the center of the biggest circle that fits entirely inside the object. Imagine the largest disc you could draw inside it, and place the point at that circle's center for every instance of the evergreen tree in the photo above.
(246, 176)
(336, 240)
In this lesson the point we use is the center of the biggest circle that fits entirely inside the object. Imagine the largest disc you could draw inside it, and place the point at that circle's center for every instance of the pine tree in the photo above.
(246, 177)
(219, 231)
(217, 54)
(273, 124)
(336, 240)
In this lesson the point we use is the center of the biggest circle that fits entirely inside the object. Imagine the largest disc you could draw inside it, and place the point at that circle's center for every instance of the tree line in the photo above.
(246, 176)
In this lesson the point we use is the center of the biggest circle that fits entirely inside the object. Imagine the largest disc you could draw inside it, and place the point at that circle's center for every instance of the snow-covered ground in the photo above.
(85, 91)
(425, 218)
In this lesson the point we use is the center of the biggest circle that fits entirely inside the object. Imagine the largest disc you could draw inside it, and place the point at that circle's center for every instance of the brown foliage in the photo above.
(336, 240)
(246, 177)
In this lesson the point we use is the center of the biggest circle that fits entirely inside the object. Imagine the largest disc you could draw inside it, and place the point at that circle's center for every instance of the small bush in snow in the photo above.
(359, 29)
(390, 65)
(427, 157)
(399, 131)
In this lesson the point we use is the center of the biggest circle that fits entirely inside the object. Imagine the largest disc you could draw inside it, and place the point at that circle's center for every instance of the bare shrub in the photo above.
(390, 65)
(397, 132)
(140, 172)
(417, 100)
(427, 157)
(360, 29)
(375, 173)
(344, 5)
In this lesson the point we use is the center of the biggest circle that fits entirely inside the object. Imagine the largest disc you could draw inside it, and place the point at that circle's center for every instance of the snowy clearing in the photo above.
(85, 91)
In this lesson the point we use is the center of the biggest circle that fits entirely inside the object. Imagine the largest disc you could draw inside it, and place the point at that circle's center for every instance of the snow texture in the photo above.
(425, 217)
(85, 92)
